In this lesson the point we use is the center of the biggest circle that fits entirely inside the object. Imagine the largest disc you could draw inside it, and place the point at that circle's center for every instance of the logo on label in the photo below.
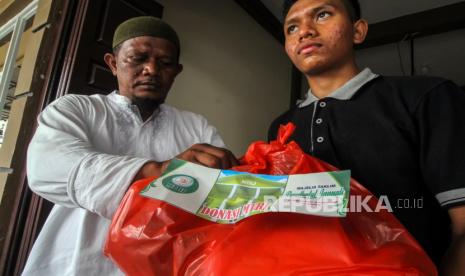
(180, 183)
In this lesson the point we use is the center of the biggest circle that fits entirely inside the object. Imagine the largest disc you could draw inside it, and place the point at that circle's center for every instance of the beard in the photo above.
(147, 106)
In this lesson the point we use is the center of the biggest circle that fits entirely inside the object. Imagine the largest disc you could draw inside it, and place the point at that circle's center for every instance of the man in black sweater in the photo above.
(401, 137)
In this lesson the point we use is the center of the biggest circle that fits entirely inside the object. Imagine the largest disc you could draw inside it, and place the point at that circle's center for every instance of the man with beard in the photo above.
(401, 137)
(87, 150)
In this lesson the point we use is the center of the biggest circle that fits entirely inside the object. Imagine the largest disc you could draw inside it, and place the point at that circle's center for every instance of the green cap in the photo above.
(144, 26)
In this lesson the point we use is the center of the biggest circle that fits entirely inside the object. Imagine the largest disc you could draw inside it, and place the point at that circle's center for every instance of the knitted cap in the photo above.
(145, 26)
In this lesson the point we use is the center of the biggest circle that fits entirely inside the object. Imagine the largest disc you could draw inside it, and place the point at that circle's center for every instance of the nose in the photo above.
(307, 30)
(150, 68)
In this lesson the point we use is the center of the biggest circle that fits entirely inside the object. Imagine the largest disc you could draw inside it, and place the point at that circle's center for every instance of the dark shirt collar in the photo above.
(345, 92)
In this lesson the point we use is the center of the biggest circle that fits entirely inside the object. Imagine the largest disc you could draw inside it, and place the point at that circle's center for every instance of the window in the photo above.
(11, 35)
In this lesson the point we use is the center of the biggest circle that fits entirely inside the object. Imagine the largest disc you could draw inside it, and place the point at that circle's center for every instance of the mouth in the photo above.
(308, 48)
(148, 85)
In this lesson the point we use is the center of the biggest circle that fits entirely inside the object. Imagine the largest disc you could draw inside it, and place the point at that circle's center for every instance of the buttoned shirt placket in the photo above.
(345, 92)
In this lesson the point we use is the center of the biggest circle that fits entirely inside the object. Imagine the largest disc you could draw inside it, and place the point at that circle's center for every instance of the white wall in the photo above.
(437, 55)
(235, 73)
(380, 10)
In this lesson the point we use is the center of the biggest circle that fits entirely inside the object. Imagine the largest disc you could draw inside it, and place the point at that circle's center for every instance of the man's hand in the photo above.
(202, 154)
(209, 156)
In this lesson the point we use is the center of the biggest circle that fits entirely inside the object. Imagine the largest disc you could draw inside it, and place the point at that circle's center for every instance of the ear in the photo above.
(179, 69)
(360, 31)
(110, 60)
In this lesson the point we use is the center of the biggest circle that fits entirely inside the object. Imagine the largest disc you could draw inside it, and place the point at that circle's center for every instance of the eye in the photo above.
(291, 29)
(136, 58)
(323, 15)
(166, 62)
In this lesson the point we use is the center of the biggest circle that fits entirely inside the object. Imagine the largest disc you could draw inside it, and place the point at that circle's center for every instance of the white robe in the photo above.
(83, 157)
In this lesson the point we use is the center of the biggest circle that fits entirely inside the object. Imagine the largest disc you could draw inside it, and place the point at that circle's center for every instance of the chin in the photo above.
(148, 93)
(148, 103)
(314, 68)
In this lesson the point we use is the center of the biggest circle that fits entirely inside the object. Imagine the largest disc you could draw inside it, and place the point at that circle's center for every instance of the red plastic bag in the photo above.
(150, 237)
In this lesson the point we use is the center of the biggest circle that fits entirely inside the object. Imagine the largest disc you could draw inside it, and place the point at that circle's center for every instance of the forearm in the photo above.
(78, 177)
(65, 167)
(454, 260)
(151, 169)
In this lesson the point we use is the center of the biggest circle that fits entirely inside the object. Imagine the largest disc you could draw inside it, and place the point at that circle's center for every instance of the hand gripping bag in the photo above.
(151, 237)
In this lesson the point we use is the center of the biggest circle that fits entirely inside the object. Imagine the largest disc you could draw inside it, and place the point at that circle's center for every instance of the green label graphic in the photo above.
(225, 196)
(180, 183)
(237, 195)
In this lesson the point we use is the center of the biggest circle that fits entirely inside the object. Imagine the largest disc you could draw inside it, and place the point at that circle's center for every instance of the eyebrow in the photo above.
(312, 11)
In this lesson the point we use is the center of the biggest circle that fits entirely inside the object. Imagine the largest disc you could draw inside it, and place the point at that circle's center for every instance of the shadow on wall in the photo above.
(235, 73)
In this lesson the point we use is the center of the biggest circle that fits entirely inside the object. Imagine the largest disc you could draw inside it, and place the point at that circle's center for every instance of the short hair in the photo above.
(144, 26)
(352, 7)
(116, 49)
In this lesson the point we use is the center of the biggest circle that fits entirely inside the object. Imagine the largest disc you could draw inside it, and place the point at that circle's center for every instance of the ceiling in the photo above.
(378, 10)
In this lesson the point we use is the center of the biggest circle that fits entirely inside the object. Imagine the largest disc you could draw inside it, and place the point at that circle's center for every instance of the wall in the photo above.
(437, 55)
(235, 73)
(381, 10)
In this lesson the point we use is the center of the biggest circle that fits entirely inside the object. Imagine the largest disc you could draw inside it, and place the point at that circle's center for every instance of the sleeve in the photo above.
(211, 135)
(274, 127)
(64, 168)
(440, 114)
